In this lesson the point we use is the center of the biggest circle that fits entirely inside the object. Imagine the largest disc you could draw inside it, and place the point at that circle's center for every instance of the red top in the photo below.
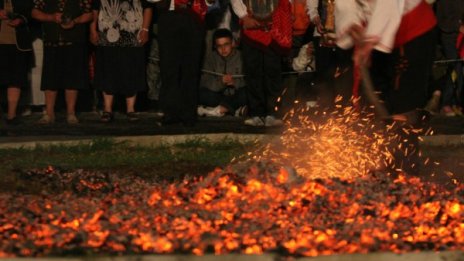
(198, 6)
(280, 32)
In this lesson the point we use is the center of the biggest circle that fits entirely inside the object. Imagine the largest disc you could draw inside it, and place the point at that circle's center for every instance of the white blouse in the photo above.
(382, 19)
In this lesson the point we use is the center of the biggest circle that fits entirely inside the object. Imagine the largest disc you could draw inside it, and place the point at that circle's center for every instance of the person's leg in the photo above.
(107, 114)
(71, 99)
(13, 94)
(171, 54)
(190, 68)
(235, 100)
(253, 69)
(449, 98)
(50, 99)
(130, 103)
(272, 81)
(208, 98)
(130, 108)
(414, 63)
(108, 102)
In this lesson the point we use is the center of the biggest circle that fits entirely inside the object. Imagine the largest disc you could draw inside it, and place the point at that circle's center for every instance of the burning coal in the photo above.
(339, 204)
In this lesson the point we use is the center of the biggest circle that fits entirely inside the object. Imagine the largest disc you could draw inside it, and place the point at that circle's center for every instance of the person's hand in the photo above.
(94, 37)
(227, 80)
(15, 22)
(461, 29)
(362, 47)
(317, 22)
(68, 25)
(143, 36)
(357, 33)
(57, 18)
(3, 14)
(250, 23)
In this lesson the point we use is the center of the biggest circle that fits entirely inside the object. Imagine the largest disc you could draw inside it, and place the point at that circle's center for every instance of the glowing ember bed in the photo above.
(331, 201)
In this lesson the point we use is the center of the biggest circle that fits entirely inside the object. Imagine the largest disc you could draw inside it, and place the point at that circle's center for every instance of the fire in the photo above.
(339, 198)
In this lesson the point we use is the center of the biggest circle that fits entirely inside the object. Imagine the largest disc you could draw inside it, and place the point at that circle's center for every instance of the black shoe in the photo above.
(13, 122)
(106, 117)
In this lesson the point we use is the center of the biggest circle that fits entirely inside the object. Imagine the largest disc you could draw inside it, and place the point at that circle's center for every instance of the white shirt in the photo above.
(312, 6)
(383, 19)
(241, 10)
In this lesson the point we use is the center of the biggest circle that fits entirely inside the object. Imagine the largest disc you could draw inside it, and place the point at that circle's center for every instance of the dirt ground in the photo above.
(446, 164)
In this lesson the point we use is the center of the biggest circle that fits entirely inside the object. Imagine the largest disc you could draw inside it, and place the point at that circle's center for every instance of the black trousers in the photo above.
(231, 101)
(403, 77)
(263, 68)
(181, 38)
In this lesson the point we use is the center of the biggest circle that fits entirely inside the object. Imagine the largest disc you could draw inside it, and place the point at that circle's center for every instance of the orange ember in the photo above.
(241, 209)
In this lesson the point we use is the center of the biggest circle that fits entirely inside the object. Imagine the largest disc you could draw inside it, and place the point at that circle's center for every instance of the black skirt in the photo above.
(14, 66)
(120, 70)
(65, 67)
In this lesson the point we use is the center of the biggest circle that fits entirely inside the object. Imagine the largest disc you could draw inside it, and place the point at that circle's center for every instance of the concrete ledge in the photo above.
(152, 140)
(421, 256)
(158, 140)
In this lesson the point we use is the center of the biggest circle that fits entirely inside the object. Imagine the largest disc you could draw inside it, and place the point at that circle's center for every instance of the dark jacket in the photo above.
(449, 12)
(54, 33)
(23, 9)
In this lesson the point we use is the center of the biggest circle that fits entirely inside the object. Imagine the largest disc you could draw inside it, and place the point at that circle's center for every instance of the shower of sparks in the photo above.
(343, 143)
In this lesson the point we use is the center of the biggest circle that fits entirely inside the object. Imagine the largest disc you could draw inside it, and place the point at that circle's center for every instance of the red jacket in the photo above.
(460, 45)
(280, 32)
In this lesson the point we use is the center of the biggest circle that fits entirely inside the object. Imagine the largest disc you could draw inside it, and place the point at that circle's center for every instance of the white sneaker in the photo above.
(311, 104)
(27, 112)
(210, 111)
(201, 111)
(271, 121)
(254, 121)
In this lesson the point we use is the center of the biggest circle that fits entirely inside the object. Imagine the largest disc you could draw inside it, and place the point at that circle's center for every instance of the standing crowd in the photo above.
(213, 58)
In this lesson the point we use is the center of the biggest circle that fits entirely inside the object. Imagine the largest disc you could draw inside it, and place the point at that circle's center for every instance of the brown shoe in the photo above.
(46, 120)
(71, 119)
